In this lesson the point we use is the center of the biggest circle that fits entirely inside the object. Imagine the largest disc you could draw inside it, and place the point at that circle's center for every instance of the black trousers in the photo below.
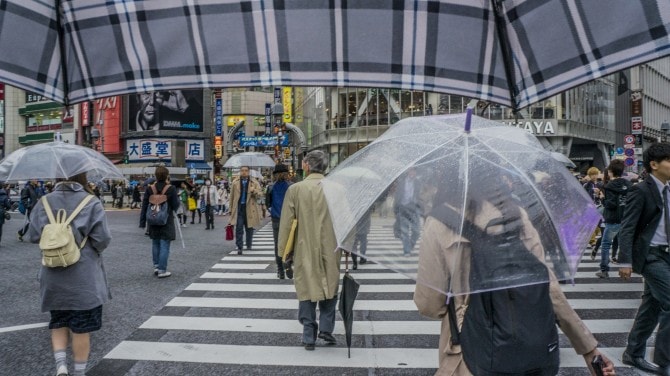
(241, 228)
(209, 216)
(24, 229)
(193, 216)
(654, 309)
(275, 235)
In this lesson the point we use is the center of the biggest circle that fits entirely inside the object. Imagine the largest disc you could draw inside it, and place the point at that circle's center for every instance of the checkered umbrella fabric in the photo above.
(511, 52)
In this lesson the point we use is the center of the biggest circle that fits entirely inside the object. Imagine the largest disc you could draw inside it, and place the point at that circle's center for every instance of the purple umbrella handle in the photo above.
(468, 120)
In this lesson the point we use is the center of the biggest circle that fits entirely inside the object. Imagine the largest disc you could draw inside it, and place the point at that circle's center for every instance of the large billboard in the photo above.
(170, 110)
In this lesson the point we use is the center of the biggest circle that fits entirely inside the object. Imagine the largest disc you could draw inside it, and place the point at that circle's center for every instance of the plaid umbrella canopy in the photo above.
(512, 52)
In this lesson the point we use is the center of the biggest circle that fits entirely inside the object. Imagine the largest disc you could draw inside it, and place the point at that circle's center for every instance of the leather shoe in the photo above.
(309, 346)
(328, 338)
(640, 363)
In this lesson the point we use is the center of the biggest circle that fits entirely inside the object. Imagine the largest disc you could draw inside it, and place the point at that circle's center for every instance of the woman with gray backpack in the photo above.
(73, 284)
(158, 207)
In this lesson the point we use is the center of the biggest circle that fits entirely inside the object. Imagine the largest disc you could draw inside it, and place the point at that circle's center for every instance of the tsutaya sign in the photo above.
(535, 127)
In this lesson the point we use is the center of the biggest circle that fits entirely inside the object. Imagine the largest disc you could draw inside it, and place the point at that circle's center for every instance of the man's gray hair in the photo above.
(317, 161)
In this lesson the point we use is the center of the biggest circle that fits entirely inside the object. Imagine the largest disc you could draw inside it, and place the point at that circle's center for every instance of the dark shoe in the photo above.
(192, 222)
(239, 251)
(363, 260)
(206, 228)
(288, 268)
(593, 254)
(309, 346)
(19, 236)
(355, 267)
(640, 363)
(280, 274)
(330, 340)
(602, 275)
(615, 260)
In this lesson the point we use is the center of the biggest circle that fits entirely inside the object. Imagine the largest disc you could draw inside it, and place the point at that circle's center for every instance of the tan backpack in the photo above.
(58, 245)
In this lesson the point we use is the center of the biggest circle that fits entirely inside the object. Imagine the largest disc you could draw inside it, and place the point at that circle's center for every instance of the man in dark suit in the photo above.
(643, 241)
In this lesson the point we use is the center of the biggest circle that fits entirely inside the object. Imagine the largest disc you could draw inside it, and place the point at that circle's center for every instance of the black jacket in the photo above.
(167, 232)
(613, 191)
(5, 204)
(29, 196)
(644, 208)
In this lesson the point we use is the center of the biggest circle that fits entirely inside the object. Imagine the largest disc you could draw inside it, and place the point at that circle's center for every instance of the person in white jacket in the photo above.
(210, 197)
(222, 201)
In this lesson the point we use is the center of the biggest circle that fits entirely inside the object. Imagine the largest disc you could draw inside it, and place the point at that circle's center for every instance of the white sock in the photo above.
(79, 369)
(61, 358)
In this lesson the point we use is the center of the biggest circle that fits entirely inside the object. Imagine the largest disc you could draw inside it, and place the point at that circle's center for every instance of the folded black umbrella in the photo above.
(347, 299)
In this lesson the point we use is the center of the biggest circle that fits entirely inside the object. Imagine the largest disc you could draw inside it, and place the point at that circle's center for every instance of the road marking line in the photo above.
(250, 303)
(241, 266)
(23, 327)
(230, 324)
(295, 356)
(252, 287)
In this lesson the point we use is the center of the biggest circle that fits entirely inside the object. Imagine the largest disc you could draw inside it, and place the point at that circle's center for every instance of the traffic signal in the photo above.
(125, 158)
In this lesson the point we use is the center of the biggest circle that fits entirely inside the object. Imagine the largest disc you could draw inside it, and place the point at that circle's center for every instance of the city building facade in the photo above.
(590, 124)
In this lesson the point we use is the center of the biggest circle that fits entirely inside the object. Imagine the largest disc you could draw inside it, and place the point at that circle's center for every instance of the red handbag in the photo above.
(230, 234)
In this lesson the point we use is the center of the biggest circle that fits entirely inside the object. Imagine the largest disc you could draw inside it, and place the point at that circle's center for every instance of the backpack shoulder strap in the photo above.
(47, 208)
(165, 189)
(153, 189)
(78, 209)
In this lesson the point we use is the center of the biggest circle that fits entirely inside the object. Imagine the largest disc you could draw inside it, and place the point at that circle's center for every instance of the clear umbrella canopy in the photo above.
(57, 160)
(493, 184)
(249, 159)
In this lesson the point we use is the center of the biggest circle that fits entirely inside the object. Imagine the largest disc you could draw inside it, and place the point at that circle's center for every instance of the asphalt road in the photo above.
(249, 295)
(136, 293)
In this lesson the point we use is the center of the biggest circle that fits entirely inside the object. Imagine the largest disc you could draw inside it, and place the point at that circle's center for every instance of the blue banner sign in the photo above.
(219, 117)
(268, 119)
(262, 141)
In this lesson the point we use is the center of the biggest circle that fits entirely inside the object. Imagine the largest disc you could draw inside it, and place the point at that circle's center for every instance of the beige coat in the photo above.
(254, 191)
(316, 270)
(438, 251)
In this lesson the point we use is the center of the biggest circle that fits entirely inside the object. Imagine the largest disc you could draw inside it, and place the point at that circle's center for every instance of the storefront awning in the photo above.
(36, 138)
(39, 108)
(198, 165)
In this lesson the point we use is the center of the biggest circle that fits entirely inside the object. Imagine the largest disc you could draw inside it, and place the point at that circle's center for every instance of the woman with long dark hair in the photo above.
(161, 236)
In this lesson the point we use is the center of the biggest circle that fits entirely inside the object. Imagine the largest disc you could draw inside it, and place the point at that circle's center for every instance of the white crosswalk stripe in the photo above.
(239, 313)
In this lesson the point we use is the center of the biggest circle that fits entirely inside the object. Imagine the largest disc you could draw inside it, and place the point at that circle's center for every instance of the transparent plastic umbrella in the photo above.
(57, 160)
(249, 159)
(430, 169)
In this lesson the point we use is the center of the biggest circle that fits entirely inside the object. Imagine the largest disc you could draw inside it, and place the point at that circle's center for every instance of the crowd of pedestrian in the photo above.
(634, 211)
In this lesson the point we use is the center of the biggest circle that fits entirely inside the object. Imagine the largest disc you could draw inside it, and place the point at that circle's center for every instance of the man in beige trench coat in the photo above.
(245, 213)
(316, 272)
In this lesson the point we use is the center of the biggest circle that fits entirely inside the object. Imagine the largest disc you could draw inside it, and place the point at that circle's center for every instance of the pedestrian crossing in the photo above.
(239, 319)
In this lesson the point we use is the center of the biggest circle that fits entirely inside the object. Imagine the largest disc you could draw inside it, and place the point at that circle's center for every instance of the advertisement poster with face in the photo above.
(170, 110)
